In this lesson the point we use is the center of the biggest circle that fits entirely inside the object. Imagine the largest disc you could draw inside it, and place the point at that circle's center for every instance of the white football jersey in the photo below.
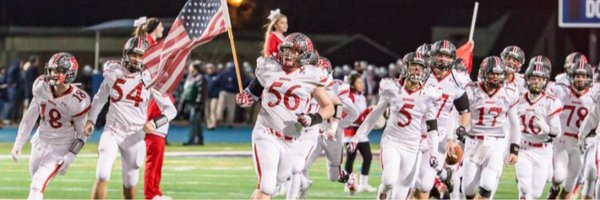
(408, 111)
(562, 79)
(129, 98)
(340, 89)
(575, 109)
(61, 117)
(547, 105)
(489, 112)
(452, 87)
(518, 83)
(286, 94)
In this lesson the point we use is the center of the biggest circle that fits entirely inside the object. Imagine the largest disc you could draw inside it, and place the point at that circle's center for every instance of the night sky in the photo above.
(400, 25)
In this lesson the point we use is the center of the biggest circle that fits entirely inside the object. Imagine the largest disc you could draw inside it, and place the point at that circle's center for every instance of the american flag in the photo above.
(197, 23)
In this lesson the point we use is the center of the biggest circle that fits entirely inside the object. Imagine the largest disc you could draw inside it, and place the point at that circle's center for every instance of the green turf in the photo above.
(187, 178)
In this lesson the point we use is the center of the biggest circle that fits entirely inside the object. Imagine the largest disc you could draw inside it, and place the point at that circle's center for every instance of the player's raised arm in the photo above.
(25, 127)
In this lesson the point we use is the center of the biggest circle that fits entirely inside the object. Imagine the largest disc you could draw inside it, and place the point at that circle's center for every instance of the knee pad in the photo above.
(267, 189)
(333, 172)
(36, 185)
(489, 179)
(130, 178)
(298, 168)
(485, 193)
(425, 182)
(103, 174)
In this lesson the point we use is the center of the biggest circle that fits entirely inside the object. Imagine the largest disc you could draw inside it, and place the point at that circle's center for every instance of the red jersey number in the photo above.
(286, 97)
(133, 95)
(404, 111)
(495, 111)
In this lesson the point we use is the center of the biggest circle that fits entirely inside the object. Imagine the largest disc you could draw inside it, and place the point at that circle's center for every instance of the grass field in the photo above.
(187, 177)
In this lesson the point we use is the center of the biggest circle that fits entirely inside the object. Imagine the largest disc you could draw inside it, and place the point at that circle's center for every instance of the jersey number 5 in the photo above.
(286, 97)
(134, 94)
(404, 111)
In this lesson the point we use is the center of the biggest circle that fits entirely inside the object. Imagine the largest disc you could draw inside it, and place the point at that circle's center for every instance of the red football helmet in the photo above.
(66, 66)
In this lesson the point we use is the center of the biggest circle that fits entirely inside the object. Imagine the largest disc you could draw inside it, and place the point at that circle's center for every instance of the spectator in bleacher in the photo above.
(227, 80)
(14, 91)
(3, 86)
(194, 95)
(250, 113)
(371, 84)
(213, 95)
(30, 68)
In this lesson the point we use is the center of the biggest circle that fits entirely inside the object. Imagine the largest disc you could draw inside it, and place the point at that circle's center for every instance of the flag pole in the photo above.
(472, 31)
(232, 42)
(235, 60)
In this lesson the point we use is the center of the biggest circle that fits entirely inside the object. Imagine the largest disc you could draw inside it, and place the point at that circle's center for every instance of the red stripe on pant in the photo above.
(155, 152)
(257, 166)
(49, 178)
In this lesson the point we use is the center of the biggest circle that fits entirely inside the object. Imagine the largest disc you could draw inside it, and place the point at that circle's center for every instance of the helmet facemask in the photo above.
(442, 61)
(56, 76)
(512, 64)
(580, 81)
(536, 83)
(416, 73)
(133, 62)
(495, 79)
(290, 58)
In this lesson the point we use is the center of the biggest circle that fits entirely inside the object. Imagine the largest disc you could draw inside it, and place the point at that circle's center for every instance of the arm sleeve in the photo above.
(255, 88)
(555, 127)
(27, 123)
(99, 100)
(80, 116)
(165, 104)
(350, 110)
(433, 139)
(462, 103)
(513, 118)
(554, 118)
(369, 122)
(590, 122)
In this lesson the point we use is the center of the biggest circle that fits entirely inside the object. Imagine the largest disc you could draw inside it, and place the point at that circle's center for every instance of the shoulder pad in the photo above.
(80, 101)
(320, 75)
(266, 64)
(112, 69)
(38, 87)
(388, 87)
(461, 79)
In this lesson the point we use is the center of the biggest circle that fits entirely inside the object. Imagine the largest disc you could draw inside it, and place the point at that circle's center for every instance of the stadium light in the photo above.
(235, 3)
